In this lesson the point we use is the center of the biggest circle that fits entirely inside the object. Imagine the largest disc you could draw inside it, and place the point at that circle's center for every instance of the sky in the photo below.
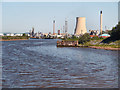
(19, 17)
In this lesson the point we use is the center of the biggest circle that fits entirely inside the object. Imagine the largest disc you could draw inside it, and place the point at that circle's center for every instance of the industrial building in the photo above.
(80, 26)
(94, 32)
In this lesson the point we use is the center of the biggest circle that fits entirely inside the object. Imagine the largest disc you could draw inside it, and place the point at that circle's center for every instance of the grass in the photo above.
(115, 44)
(14, 37)
(98, 43)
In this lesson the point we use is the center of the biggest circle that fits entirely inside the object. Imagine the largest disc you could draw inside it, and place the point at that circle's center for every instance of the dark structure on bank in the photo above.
(67, 43)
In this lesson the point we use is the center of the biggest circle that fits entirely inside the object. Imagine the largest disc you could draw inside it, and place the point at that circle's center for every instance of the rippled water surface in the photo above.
(39, 63)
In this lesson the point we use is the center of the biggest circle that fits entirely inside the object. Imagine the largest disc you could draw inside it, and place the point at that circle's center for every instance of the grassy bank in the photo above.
(7, 38)
(99, 43)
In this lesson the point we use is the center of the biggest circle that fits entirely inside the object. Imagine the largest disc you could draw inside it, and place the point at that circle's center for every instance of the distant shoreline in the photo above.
(12, 39)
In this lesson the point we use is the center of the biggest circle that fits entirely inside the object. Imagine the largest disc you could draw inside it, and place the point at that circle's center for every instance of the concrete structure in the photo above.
(94, 32)
(67, 43)
(32, 31)
(63, 29)
(53, 27)
(58, 32)
(66, 27)
(1, 34)
(80, 26)
(100, 22)
(59, 36)
(13, 34)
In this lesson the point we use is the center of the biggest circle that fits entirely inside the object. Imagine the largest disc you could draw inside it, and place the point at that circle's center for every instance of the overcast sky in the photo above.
(22, 16)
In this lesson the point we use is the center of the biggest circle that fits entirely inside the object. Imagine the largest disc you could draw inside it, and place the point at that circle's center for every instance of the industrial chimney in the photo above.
(53, 27)
(100, 22)
(80, 26)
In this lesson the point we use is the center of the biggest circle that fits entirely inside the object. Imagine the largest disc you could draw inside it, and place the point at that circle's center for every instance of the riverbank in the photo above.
(96, 44)
(106, 48)
(99, 44)
(95, 47)
(11, 39)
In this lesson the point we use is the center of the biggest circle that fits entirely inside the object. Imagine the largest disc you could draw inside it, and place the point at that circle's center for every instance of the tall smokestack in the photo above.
(63, 29)
(80, 26)
(53, 27)
(66, 26)
(32, 31)
(100, 22)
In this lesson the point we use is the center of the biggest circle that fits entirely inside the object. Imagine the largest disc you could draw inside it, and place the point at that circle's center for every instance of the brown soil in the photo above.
(106, 48)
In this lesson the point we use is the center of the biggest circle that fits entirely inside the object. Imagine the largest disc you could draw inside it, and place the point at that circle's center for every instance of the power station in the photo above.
(80, 26)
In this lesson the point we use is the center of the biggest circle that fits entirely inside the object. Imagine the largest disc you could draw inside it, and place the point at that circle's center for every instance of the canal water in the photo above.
(40, 64)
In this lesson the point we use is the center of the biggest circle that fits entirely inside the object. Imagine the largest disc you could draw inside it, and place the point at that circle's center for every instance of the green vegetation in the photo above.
(113, 41)
(103, 32)
(97, 38)
(98, 43)
(14, 37)
(115, 33)
(84, 38)
(24, 34)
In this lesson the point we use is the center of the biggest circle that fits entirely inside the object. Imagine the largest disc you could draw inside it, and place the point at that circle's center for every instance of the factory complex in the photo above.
(79, 30)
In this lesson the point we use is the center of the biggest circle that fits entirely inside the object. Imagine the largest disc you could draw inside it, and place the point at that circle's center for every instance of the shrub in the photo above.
(84, 38)
(95, 38)
(74, 37)
(115, 33)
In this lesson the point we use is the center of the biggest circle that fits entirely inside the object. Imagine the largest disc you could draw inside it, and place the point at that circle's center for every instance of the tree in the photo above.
(103, 32)
(109, 32)
(84, 38)
(115, 33)
(24, 34)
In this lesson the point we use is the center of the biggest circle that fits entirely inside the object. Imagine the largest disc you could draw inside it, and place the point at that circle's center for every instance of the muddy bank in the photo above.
(95, 47)
(106, 48)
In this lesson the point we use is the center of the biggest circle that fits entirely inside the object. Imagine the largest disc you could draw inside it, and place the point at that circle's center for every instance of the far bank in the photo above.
(96, 44)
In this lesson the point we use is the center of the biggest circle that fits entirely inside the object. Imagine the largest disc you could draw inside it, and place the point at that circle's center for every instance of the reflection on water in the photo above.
(39, 63)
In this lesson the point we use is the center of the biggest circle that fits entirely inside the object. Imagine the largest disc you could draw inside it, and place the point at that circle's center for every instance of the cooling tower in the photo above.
(80, 26)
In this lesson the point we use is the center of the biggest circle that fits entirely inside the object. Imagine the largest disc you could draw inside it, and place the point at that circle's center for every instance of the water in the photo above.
(40, 64)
